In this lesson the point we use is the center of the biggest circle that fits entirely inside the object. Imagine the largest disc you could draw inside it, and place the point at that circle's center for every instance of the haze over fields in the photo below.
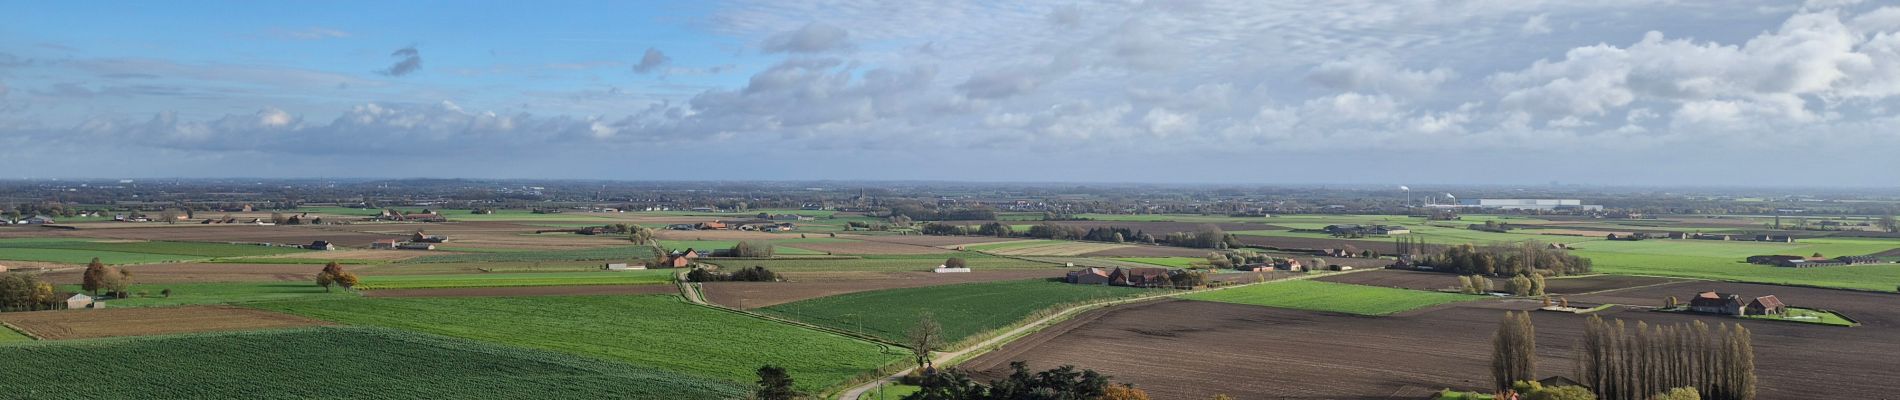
(1248, 91)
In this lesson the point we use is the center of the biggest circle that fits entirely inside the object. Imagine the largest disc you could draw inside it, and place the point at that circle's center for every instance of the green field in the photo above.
(882, 264)
(1176, 262)
(327, 363)
(147, 295)
(641, 277)
(80, 251)
(466, 215)
(620, 253)
(1723, 260)
(8, 335)
(963, 309)
(778, 245)
(1334, 297)
(652, 331)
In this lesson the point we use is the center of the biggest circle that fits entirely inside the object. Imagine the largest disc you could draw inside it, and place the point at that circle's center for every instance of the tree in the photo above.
(167, 293)
(1465, 285)
(955, 262)
(1562, 393)
(1123, 392)
(332, 274)
(117, 281)
(1537, 284)
(1889, 223)
(926, 337)
(775, 384)
(91, 281)
(325, 280)
(1521, 285)
(1681, 393)
(641, 235)
(1514, 350)
(346, 280)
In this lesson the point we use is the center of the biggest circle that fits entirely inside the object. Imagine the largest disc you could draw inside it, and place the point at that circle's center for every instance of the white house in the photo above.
(39, 219)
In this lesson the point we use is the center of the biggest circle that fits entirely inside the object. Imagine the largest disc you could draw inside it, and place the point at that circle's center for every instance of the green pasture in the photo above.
(511, 279)
(1333, 297)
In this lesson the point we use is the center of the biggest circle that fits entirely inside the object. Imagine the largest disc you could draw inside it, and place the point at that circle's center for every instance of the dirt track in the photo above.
(526, 291)
(1193, 350)
(750, 295)
(111, 322)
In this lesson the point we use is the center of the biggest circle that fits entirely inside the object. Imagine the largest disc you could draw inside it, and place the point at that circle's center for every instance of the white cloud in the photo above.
(1378, 74)
(1536, 25)
(815, 37)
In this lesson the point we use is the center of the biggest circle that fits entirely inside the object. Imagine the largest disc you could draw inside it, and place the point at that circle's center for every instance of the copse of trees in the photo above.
(26, 292)
(754, 274)
(996, 229)
(1065, 382)
(751, 249)
(1207, 236)
(100, 277)
(1524, 258)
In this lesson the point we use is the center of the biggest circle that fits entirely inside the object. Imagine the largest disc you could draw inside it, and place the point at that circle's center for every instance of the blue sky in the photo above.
(1242, 91)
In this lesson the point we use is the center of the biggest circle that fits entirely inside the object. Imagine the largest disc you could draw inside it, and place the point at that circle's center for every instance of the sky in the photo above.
(1622, 92)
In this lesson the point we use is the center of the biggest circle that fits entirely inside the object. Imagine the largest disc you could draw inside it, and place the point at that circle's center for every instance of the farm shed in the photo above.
(945, 269)
(79, 300)
(1138, 277)
(623, 267)
(416, 246)
(1716, 303)
(1088, 276)
(383, 244)
(1766, 305)
(320, 245)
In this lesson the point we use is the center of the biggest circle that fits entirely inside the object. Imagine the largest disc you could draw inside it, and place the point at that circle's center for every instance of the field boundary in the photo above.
(690, 293)
(22, 332)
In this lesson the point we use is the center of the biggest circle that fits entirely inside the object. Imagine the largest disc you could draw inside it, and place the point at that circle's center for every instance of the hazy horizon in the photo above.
(1616, 93)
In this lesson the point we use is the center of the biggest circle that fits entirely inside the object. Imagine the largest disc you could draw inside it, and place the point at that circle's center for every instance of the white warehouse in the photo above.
(1531, 204)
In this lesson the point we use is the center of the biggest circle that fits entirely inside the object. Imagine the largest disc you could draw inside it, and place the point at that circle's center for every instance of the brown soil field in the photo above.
(935, 241)
(111, 322)
(1193, 350)
(498, 235)
(866, 247)
(204, 272)
(749, 295)
(365, 255)
(726, 235)
(1149, 251)
(1058, 249)
(1601, 283)
(526, 291)
(1300, 243)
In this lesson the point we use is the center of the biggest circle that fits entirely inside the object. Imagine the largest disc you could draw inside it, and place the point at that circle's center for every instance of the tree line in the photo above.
(1523, 258)
(1206, 236)
(754, 274)
(1649, 362)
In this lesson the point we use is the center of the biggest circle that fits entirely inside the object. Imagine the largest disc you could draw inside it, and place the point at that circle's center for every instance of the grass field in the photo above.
(653, 331)
(217, 293)
(328, 363)
(777, 249)
(643, 277)
(962, 309)
(1176, 262)
(883, 264)
(80, 251)
(1811, 316)
(591, 254)
(1721, 260)
(1334, 297)
(8, 335)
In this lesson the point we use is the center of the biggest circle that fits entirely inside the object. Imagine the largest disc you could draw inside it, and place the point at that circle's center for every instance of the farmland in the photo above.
(186, 293)
(809, 285)
(590, 254)
(80, 251)
(651, 331)
(506, 279)
(1723, 261)
(1333, 297)
(111, 322)
(919, 263)
(963, 309)
(355, 363)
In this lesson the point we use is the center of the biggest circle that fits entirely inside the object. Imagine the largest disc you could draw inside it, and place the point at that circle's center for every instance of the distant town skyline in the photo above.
(1701, 93)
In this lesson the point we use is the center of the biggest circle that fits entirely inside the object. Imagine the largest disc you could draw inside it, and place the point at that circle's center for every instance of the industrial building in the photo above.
(1531, 204)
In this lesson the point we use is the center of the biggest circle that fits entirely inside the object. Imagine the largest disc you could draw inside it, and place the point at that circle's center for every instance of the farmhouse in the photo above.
(715, 225)
(1138, 277)
(38, 220)
(1766, 305)
(383, 244)
(1716, 303)
(1289, 265)
(416, 246)
(79, 300)
(1256, 267)
(320, 245)
(679, 262)
(1088, 276)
